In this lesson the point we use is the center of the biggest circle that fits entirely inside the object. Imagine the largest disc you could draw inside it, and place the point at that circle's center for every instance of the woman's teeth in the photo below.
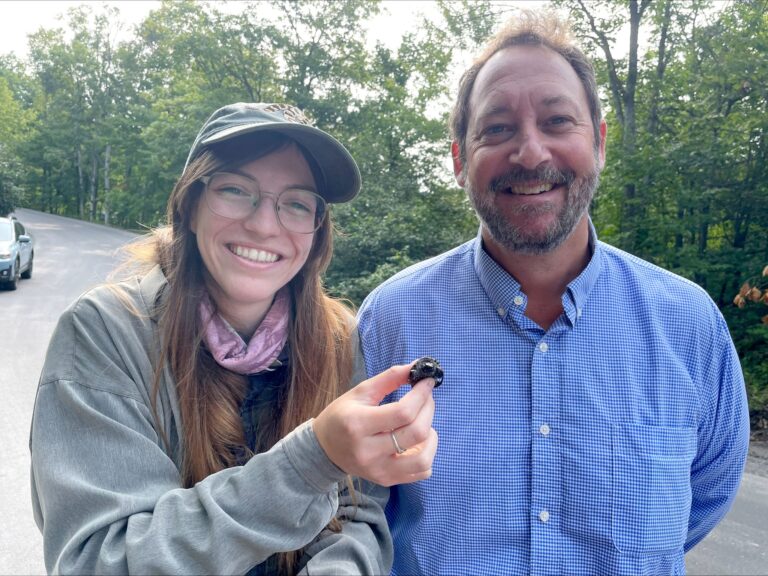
(254, 254)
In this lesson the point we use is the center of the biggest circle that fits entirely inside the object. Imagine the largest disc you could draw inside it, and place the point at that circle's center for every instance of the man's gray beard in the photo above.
(580, 193)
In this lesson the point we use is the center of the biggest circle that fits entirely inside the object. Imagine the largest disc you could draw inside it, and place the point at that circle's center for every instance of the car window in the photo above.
(19, 229)
(6, 232)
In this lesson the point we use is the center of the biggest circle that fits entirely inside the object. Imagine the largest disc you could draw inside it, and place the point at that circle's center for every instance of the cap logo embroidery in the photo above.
(290, 113)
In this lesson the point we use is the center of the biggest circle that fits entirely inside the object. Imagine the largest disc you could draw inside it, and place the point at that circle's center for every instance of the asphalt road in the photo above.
(739, 544)
(72, 256)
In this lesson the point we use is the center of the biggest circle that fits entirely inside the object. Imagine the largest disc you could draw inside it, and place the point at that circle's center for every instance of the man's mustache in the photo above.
(545, 173)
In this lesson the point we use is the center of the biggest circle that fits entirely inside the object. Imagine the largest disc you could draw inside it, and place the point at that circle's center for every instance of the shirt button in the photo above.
(518, 300)
(544, 516)
(578, 313)
(500, 311)
(544, 429)
(543, 347)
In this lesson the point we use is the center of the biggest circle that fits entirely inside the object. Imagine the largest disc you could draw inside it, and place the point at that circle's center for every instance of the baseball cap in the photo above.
(339, 169)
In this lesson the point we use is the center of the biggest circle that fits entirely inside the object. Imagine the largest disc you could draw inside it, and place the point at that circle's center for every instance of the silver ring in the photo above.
(394, 441)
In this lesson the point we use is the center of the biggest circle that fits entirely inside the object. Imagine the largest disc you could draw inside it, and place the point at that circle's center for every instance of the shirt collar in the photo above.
(581, 287)
(505, 292)
(500, 286)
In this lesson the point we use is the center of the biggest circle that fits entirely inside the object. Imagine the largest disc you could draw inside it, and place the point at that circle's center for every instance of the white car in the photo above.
(17, 252)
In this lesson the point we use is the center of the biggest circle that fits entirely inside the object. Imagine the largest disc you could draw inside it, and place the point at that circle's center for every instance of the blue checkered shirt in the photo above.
(610, 443)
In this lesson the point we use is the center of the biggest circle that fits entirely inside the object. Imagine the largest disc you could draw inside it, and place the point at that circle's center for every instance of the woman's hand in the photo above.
(356, 432)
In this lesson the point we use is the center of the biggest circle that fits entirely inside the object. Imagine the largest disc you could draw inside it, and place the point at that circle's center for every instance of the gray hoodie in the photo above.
(107, 492)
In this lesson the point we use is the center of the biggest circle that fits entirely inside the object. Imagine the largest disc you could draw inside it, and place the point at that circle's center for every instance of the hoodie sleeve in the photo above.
(107, 495)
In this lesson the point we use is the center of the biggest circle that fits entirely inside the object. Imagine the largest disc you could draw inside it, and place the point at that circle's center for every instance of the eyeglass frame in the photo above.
(321, 209)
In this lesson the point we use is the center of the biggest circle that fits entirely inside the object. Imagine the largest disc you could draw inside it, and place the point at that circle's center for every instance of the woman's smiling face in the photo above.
(250, 259)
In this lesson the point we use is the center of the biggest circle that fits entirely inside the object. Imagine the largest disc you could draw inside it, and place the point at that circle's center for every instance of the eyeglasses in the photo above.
(236, 196)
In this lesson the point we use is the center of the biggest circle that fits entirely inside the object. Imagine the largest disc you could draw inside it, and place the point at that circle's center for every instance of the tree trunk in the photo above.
(623, 97)
(661, 65)
(80, 186)
(94, 184)
(105, 209)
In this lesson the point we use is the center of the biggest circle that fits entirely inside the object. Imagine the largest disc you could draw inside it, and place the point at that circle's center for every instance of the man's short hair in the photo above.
(529, 29)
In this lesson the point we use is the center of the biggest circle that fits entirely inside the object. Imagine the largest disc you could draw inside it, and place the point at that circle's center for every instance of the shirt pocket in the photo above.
(651, 487)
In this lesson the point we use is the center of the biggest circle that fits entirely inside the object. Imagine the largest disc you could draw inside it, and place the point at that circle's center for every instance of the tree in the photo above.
(75, 109)
(751, 298)
(410, 208)
(15, 127)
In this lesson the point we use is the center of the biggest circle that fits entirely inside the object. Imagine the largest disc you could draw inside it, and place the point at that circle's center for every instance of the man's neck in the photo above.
(544, 277)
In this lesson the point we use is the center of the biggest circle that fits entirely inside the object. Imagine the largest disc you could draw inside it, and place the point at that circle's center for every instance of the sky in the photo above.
(18, 18)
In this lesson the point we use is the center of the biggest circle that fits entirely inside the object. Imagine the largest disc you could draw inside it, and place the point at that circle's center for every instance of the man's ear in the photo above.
(458, 168)
(601, 149)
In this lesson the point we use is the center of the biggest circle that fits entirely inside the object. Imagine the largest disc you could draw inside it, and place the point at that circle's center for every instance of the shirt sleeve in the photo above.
(108, 498)
(723, 439)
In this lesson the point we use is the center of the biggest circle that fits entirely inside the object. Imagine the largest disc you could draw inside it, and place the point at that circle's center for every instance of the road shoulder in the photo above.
(757, 460)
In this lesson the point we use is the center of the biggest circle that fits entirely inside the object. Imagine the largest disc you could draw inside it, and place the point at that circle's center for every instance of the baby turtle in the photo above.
(426, 367)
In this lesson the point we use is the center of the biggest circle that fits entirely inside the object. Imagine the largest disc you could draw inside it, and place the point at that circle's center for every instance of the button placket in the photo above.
(546, 478)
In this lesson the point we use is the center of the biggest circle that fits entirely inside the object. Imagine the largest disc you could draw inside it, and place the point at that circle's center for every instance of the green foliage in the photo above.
(113, 121)
(691, 192)
(751, 339)
(14, 127)
(99, 128)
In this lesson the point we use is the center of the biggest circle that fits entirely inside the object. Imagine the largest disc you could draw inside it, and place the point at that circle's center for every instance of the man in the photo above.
(593, 417)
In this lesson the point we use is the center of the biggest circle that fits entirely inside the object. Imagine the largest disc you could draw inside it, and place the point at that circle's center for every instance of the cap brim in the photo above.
(342, 176)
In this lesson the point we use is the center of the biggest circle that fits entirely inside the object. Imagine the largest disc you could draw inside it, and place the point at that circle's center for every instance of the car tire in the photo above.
(14, 281)
(27, 274)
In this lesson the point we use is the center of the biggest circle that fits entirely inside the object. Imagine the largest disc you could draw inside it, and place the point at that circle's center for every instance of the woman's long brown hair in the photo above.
(320, 358)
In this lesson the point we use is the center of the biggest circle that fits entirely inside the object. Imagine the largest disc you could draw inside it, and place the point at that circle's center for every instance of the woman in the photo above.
(173, 430)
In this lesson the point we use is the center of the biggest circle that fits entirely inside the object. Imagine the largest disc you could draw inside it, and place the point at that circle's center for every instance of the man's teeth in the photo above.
(255, 255)
(534, 189)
